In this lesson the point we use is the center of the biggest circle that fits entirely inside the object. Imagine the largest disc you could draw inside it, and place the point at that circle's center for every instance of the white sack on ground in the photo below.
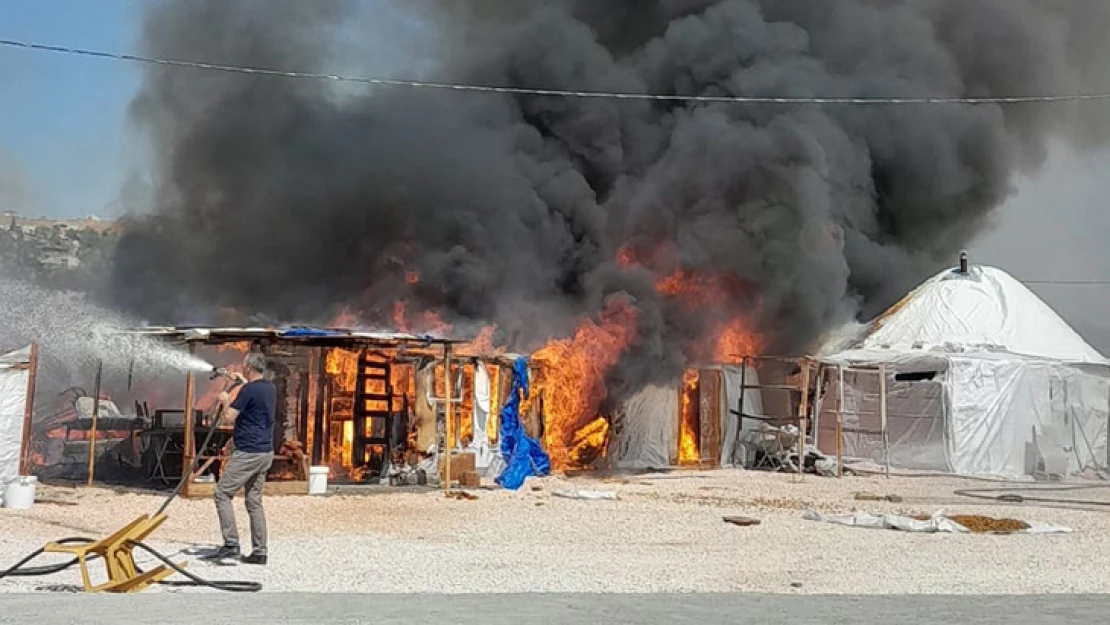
(587, 495)
(938, 523)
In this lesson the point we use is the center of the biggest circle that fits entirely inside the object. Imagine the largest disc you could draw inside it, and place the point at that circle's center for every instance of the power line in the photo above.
(1069, 282)
(609, 95)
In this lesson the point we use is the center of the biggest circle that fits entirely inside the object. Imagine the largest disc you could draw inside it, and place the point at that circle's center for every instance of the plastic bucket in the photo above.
(317, 480)
(20, 493)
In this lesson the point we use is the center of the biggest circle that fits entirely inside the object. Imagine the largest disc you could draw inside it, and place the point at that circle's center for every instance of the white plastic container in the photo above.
(317, 480)
(20, 493)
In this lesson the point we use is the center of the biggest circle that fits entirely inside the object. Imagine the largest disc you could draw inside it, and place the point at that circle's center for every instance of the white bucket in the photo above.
(317, 480)
(20, 493)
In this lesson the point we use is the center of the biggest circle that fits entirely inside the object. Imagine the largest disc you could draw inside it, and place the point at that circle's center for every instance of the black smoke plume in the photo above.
(290, 199)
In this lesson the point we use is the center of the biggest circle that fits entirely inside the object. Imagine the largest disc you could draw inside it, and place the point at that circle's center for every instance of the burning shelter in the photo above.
(980, 377)
(369, 405)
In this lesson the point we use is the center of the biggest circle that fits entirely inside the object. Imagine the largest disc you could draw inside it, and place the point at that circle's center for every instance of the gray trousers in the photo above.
(246, 471)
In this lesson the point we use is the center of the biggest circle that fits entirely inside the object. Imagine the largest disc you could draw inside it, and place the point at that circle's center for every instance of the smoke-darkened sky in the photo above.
(286, 198)
(1054, 230)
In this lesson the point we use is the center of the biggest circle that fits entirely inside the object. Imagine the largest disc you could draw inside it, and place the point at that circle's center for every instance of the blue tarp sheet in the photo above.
(300, 331)
(523, 455)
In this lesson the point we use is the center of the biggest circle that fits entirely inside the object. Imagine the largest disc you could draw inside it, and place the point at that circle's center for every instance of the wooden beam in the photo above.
(448, 418)
(320, 429)
(803, 414)
(882, 417)
(28, 413)
(840, 421)
(95, 419)
(190, 454)
(24, 446)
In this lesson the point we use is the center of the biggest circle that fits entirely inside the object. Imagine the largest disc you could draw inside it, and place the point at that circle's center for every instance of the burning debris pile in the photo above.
(619, 240)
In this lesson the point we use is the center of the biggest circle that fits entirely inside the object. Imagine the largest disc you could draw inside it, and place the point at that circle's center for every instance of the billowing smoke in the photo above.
(289, 199)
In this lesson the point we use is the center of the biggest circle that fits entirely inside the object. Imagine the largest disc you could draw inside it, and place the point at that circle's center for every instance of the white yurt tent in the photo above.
(983, 378)
(15, 372)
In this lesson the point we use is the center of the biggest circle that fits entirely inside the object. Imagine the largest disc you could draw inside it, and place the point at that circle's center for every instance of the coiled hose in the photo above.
(1011, 494)
(20, 570)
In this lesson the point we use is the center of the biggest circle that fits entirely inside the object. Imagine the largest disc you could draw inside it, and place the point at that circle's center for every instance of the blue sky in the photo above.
(63, 118)
(64, 128)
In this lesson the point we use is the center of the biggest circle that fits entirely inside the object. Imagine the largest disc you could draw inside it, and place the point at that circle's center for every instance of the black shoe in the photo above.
(223, 553)
(255, 558)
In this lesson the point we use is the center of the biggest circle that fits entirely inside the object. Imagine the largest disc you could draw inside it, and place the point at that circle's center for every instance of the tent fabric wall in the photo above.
(645, 430)
(915, 419)
(976, 417)
(14, 376)
(734, 452)
(999, 406)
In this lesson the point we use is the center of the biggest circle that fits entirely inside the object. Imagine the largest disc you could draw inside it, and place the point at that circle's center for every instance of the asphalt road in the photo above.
(212, 608)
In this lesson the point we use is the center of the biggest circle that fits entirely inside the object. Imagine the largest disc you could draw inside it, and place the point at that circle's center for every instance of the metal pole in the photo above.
(840, 422)
(91, 438)
(740, 414)
(448, 418)
(882, 416)
(190, 452)
(803, 413)
(29, 413)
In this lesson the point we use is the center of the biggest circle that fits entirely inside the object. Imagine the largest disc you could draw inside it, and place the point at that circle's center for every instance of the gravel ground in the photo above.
(664, 534)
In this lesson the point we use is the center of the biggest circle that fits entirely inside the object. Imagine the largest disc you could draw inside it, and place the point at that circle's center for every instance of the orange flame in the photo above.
(688, 452)
(342, 366)
(571, 380)
(736, 341)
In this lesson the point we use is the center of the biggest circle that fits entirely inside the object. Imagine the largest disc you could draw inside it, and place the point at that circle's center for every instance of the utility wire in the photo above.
(1069, 282)
(607, 95)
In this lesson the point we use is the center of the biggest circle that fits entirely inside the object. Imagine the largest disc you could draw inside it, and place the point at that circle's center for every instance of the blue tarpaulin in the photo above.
(523, 455)
(303, 332)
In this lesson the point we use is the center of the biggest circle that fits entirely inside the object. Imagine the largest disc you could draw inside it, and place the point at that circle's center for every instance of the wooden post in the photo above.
(448, 417)
(818, 402)
(882, 417)
(29, 413)
(840, 421)
(190, 454)
(803, 413)
(91, 438)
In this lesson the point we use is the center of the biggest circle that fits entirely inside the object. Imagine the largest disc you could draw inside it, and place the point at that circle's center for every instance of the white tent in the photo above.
(983, 378)
(15, 372)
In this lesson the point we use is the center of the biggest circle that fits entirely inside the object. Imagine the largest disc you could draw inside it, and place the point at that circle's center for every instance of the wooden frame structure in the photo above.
(301, 337)
(883, 432)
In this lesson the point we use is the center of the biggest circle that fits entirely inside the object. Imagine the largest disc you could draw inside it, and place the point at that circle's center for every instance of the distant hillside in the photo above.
(72, 255)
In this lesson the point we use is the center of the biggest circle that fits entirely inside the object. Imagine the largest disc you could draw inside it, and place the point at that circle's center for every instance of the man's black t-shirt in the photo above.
(254, 427)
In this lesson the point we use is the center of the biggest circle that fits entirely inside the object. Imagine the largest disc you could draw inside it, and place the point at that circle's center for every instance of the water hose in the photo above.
(20, 570)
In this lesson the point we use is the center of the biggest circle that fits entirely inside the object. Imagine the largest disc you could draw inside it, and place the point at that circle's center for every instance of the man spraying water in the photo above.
(253, 415)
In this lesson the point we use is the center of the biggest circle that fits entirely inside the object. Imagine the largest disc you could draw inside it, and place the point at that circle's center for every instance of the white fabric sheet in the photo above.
(13, 403)
(983, 310)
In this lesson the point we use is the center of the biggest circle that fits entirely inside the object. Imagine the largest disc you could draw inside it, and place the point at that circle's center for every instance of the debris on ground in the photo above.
(742, 521)
(461, 495)
(984, 524)
(939, 522)
(587, 495)
(874, 497)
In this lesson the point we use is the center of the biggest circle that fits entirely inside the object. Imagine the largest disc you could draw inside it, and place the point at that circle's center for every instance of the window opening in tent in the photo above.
(916, 376)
